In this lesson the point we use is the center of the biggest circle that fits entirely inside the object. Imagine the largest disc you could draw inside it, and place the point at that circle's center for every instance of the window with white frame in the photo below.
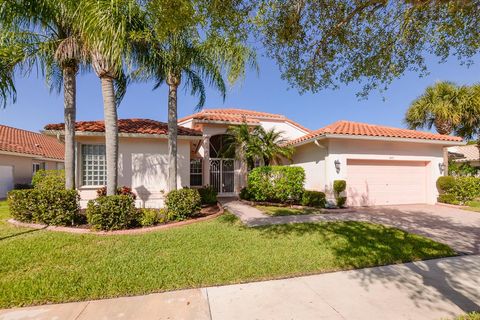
(38, 166)
(196, 172)
(94, 165)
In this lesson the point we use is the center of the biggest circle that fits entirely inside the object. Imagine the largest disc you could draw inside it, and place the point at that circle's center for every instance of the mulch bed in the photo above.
(296, 206)
(206, 213)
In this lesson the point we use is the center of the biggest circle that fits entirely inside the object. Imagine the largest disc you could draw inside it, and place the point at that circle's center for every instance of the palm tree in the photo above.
(469, 125)
(272, 146)
(255, 144)
(44, 32)
(439, 106)
(180, 55)
(107, 27)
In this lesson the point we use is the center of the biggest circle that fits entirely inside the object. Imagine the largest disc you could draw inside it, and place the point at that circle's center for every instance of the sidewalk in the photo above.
(434, 289)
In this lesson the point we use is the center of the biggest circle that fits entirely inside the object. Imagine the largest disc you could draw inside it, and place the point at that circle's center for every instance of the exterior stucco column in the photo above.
(206, 160)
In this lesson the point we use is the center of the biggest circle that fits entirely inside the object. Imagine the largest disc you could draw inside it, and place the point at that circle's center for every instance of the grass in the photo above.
(287, 211)
(469, 316)
(40, 266)
(473, 206)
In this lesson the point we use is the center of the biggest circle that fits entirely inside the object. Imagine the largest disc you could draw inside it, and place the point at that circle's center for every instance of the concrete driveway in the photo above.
(460, 229)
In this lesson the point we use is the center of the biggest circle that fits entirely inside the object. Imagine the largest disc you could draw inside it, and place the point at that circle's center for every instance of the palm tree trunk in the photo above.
(69, 96)
(172, 137)
(111, 133)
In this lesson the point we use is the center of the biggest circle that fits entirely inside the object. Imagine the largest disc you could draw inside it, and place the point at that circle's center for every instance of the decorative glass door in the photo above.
(222, 175)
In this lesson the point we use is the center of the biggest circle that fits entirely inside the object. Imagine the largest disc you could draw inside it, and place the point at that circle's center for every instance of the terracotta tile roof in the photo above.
(350, 128)
(469, 153)
(239, 116)
(141, 126)
(32, 143)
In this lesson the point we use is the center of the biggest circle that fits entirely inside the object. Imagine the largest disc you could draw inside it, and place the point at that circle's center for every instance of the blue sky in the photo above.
(36, 107)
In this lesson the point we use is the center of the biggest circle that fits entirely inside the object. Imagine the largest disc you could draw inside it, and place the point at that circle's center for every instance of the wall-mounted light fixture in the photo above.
(337, 165)
(441, 166)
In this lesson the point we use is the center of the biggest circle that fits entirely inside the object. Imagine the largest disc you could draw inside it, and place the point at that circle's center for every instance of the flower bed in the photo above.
(206, 213)
(296, 206)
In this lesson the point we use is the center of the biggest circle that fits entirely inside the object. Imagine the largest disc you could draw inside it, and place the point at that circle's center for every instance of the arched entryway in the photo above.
(222, 164)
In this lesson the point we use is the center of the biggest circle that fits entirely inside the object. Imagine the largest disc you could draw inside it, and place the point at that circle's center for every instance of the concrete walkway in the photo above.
(460, 229)
(435, 289)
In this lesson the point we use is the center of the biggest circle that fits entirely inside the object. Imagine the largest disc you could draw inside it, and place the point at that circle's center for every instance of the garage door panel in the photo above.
(375, 182)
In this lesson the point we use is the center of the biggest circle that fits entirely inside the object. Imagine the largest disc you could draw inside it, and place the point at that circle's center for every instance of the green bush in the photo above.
(112, 212)
(150, 217)
(49, 179)
(276, 183)
(463, 189)
(244, 194)
(313, 199)
(445, 184)
(208, 195)
(339, 186)
(183, 203)
(447, 198)
(341, 201)
(47, 206)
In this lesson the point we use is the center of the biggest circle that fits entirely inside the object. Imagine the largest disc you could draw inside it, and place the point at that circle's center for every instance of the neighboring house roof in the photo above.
(349, 128)
(30, 143)
(465, 153)
(238, 116)
(133, 126)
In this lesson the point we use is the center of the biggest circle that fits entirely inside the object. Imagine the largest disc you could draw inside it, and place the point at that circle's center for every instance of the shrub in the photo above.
(47, 206)
(244, 194)
(126, 191)
(339, 186)
(208, 195)
(276, 183)
(150, 217)
(463, 189)
(313, 199)
(445, 184)
(341, 201)
(22, 186)
(183, 203)
(49, 179)
(112, 212)
(447, 198)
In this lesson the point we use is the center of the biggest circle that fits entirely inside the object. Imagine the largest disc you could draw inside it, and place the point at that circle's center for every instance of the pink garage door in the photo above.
(385, 182)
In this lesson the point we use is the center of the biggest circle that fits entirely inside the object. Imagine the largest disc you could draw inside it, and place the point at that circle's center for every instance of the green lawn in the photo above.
(39, 266)
(469, 316)
(287, 211)
(473, 206)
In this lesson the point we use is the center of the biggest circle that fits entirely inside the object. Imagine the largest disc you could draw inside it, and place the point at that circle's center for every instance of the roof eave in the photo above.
(30, 155)
(374, 138)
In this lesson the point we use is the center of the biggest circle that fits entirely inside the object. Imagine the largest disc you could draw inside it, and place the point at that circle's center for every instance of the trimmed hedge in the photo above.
(47, 206)
(276, 183)
(183, 203)
(458, 190)
(313, 199)
(244, 194)
(208, 195)
(112, 212)
(340, 186)
(150, 217)
(49, 179)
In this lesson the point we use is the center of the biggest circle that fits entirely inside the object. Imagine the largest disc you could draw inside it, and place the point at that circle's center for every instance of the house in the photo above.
(381, 165)
(22, 153)
(465, 154)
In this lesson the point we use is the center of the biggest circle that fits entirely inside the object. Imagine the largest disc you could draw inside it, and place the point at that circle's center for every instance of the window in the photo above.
(196, 172)
(38, 166)
(94, 165)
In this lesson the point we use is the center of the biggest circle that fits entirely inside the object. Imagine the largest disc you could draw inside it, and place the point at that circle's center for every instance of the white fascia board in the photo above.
(123, 135)
(27, 155)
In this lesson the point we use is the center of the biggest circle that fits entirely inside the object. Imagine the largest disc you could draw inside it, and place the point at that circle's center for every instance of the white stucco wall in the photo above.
(321, 173)
(23, 166)
(312, 159)
(143, 166)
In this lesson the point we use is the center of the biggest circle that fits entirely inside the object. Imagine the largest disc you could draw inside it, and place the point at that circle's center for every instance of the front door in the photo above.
(222, 175)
